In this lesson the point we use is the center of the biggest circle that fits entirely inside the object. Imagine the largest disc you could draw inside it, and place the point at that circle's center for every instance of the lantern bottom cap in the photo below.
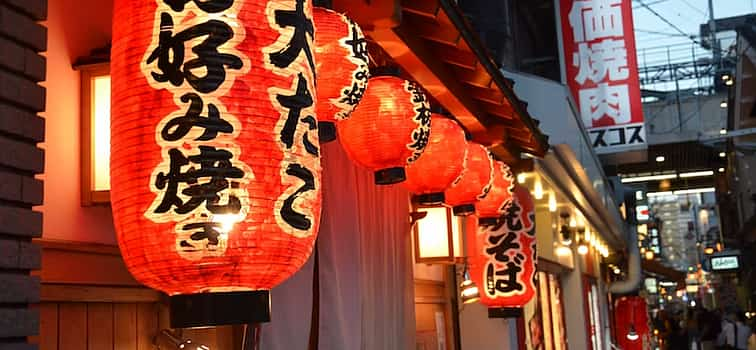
(463, 210)
(217, 309)
(326, 131)
(430, 198)
(390, 176)
(505, 312)
(487, 221)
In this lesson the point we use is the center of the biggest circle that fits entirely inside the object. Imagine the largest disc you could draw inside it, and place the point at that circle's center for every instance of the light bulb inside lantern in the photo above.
(632, 335)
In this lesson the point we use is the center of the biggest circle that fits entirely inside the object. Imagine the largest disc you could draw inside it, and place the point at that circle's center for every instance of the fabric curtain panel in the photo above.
(365, 268)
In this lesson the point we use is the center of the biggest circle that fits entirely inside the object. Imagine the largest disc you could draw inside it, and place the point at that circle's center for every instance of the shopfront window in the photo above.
(594, 317)
(544, 316)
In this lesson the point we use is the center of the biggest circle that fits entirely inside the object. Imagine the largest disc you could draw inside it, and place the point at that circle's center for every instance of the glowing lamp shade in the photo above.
(492, 206)
(474, 182)
(341, 63)
(502, 257)
(631, 321)
(440, 165)
(389, 128)
(437, 236)
(215, 166)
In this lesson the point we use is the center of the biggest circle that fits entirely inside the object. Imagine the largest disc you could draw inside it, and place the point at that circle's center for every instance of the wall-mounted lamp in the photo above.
(582, 248)
(565, 228)
(437, 235)
(469, 292)
(169, 340)
(552, 202)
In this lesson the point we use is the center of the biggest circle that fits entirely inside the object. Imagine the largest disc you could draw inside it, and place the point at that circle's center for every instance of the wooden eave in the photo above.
(432, 42)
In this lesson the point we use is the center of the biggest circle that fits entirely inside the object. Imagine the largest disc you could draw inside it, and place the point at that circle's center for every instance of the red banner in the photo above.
(602, 71)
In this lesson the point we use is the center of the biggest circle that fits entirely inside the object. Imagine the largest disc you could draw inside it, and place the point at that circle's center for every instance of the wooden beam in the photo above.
(95, 294)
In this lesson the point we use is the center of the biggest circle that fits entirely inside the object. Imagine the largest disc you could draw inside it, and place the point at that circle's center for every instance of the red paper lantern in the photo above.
(389, 129)
(491, 207)
(631, 319)
(215, 167)
(341, 58)
(442, 162)
(503, 256)
(474, 182)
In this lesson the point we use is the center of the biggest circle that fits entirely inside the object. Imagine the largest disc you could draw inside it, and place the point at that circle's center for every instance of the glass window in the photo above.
(545, 315)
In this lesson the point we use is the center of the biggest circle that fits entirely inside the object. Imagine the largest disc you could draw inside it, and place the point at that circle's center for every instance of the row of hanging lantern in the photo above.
(215, 152)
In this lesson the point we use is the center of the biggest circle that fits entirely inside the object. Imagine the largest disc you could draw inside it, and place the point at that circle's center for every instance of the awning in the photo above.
(432, 42)
(656, 268)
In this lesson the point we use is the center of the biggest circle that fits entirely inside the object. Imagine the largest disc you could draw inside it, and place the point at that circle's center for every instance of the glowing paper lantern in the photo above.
(341, 58)
(215, 165)
(491, 207)
(442, 162)
(389, 128)
(503, 256)
(631, 320)
(474, 182)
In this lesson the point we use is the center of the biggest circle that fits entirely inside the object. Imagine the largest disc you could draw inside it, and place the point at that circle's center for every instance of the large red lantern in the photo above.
(631, 320)
(474, 182)
(342, 68)
(215, 166)
(503, 256)
(389, 128)
(491, 207)
(442, 162)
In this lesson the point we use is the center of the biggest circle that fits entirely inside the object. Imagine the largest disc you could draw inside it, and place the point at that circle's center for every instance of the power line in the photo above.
(647, 7)
(646, 31)
(695, 8)
(650, 3)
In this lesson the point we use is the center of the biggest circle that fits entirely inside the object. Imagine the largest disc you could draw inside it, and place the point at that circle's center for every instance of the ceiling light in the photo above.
(723, 104)
(697, 174)
(721, 170)
(723, 131)
(538, 189)
(617, 271)
(729, 82)
(725, 77)
(695, 191)
(660, 194)
(649, 255)
(552, 202)
(660, 159)
(648, 178)
(722, 154)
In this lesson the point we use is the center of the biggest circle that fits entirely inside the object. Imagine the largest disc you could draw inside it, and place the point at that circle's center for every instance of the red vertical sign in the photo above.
(602, 71)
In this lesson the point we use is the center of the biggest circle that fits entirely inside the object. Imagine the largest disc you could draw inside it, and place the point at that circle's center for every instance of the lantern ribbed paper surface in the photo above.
(474, 182)
(503, 256)
(490, 208)
(342, 67)
(389, 128)
(215, 166)
(441, 163)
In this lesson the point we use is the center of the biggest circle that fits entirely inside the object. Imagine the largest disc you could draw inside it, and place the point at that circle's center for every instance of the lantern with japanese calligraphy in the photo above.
(502, 257)
(342, 68)
(389, 128)
(491, 207)
(631, 320)
(215, 166)
(442, 162)
(474, 182)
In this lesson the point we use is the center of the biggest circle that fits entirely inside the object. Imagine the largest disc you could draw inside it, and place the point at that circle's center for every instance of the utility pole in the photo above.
(715, 49)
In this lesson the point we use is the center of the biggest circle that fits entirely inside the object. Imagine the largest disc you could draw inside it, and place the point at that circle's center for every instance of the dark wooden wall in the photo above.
(22, 68)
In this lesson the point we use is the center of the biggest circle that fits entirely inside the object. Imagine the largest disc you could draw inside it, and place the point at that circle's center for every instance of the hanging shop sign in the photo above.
(503, 256)
(440, 165)
(725, 262)
(474, 183)
(341, 58)
(602, 71)
(215, 163)
(389, 128)
(490, 208)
